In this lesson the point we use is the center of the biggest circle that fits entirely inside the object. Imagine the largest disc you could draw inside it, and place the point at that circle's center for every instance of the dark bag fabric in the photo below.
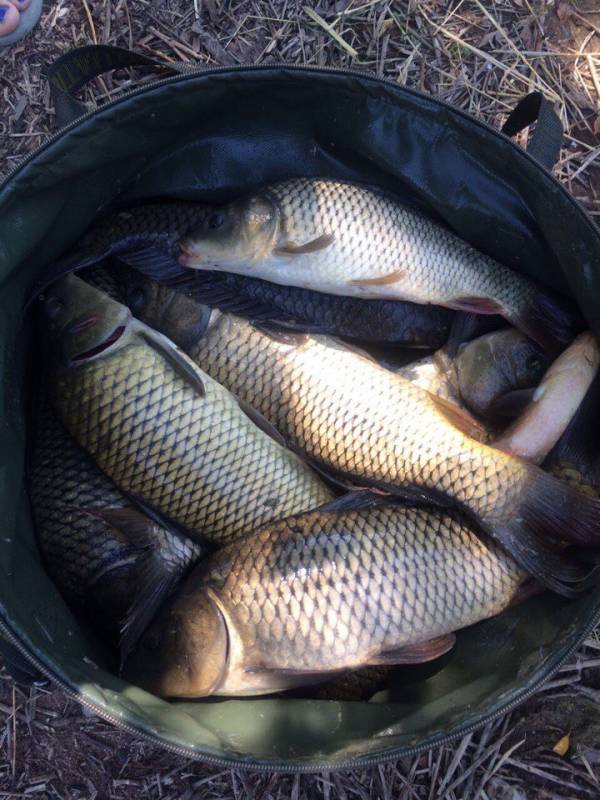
(210, 136)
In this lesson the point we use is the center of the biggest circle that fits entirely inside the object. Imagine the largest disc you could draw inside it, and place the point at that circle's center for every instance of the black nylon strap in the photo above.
(74, 69)
(544, 144)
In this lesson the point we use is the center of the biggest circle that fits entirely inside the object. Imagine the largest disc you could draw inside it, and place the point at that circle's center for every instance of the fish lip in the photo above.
(188, 246)
(189, 260)
(82, 324)
(189, 255)
(113, 337)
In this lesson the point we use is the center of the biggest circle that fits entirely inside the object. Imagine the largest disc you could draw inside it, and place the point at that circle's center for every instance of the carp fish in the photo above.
(164, 431)
(346, 239)
(319, 593)
(366, 426)
(112, 563)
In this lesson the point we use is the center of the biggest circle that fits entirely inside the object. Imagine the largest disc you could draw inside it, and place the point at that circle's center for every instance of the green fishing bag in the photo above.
(209, 136)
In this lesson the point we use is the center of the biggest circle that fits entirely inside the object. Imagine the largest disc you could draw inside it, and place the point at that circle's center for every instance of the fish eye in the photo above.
(53, 306)
(215, 220)
(136, 298)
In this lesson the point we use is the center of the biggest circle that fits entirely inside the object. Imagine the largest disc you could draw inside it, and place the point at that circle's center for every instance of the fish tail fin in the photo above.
(550, 320)
(163, 556)
(548, 515)
(556, 510)
(543, 560)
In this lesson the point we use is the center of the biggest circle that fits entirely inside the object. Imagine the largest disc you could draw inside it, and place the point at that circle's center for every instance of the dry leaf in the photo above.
(561, 747)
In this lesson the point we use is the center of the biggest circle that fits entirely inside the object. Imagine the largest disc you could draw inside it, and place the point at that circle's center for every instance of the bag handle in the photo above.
(73, 70)
(18, 667)
(545, 142)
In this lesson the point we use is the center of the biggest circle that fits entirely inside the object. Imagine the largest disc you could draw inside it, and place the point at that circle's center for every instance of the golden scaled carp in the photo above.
(359, 421)
(347, 239)
(320, 593)
(161, 429)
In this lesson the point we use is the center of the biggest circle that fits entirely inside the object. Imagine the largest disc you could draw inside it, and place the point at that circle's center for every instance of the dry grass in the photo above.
(52, 748)
(478, 55)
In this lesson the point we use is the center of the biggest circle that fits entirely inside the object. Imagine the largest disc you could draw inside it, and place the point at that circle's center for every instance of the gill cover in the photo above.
(82, 321)
(184, 651)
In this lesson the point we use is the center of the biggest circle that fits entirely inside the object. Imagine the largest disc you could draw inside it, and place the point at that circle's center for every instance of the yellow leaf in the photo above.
(561, 747)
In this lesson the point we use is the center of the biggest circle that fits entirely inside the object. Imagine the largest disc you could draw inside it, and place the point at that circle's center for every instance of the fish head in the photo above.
(83, 323)
(183, 652)
(496, 364)
(177, 315)
(524, 361)
(237, 235)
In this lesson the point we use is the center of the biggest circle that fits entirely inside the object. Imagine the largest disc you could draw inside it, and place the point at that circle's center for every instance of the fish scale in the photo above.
(350, 240)
(62, 480)
(198, 460)
(365, 424)
(324, 398)
(147, 237)
(325, 590)
(371, 229)
(96, 566)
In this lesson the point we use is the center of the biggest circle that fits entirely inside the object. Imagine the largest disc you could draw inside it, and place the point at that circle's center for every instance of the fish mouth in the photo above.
(189, 256)
(188, 260)
(100, 348)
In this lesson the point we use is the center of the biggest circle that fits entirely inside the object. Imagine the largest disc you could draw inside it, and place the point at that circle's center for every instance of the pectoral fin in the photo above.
(293, 249)
(176, 359)
(460, 418)
(382, 280)
(416, 653)
(356, 501)
(261, 422)
(476, 305)
(155, 263)
(282, 335)
(531, 588)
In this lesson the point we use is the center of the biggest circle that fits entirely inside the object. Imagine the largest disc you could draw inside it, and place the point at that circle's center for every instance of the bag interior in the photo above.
(209, 138)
